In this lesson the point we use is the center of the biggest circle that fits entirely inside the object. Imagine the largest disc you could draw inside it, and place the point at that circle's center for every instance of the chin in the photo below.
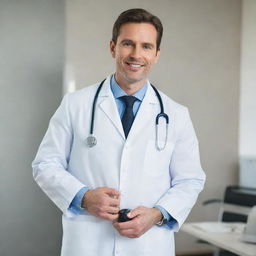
(132, 79)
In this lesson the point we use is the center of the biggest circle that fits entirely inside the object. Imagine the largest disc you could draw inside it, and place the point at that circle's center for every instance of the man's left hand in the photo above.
(143, 218)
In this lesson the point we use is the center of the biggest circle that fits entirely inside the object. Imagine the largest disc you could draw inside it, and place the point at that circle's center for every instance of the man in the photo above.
(155, 173)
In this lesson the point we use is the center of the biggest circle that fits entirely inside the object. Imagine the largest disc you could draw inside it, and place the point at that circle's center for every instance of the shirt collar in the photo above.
(119, 92)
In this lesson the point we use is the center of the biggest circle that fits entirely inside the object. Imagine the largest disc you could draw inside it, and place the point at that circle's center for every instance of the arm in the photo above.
(51, 162)
(187, 176)
(51, 174)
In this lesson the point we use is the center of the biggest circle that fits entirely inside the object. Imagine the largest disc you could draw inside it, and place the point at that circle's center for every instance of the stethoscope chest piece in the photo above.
(91, 141)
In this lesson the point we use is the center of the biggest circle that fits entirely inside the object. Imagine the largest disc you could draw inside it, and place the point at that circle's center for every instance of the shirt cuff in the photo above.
(75, 205)
(171, 222)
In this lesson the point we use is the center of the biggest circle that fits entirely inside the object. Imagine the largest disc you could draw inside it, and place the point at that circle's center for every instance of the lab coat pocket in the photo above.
(84, 234)
(159, 241)
(156, 162)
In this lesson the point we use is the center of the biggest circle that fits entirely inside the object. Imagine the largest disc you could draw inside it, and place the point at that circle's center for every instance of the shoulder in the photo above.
(83, 93)
(81, 99)
(178, 114)
(171, 105)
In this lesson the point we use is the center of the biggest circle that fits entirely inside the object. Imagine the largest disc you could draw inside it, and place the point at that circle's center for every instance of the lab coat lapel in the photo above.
(144, 113)
(108, 105)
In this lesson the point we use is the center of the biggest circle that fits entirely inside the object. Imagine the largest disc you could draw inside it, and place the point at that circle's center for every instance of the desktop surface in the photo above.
(224, 235)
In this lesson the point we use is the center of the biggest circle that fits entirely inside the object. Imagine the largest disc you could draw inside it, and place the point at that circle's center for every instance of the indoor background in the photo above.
(51, 47)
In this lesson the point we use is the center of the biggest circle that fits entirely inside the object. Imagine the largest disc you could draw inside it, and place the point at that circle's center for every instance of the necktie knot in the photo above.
(128, 100)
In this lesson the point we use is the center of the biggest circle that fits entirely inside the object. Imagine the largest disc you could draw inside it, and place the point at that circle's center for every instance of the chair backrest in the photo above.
(237, 204)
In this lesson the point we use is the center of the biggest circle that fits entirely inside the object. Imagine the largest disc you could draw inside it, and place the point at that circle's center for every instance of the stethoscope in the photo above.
(91, 140)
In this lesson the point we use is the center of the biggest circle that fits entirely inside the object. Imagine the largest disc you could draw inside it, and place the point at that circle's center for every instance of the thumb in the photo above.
(133, 213)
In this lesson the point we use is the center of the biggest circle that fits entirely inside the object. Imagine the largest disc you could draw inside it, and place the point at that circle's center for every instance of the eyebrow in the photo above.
(127, 41)
(130, 41)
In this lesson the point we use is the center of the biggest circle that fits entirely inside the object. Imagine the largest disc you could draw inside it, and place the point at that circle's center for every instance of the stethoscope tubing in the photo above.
(94, 105)
(91, 137)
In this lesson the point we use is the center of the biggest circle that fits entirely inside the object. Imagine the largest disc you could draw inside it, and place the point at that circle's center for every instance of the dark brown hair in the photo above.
(138, 15)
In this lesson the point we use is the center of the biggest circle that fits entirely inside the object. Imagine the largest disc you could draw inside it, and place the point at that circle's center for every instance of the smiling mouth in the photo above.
(134, 65)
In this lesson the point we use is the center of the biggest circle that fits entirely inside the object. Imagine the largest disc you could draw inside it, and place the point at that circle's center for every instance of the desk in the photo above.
(223, 235)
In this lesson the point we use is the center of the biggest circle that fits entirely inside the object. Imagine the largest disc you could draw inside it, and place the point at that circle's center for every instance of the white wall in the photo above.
(248, 81)
(31, 63)
(198, 67)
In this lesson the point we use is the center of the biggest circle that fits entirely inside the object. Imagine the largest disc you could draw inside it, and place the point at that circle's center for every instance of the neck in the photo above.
(130, 87)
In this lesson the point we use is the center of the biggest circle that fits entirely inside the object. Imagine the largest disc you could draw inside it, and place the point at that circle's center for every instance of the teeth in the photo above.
(135, 66)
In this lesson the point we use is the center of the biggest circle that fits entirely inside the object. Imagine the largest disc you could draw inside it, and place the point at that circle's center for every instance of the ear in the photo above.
(112, 46)
(157, 55)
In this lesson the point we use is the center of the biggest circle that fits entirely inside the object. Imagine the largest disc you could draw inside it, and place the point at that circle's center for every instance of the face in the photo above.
(135, 52)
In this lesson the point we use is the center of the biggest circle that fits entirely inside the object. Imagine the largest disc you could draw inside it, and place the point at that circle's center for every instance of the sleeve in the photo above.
(51, 162)
(187, 176)
(170, 220)
(76, 203)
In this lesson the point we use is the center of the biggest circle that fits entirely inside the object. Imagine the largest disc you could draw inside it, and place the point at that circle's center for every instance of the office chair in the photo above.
(235, 207)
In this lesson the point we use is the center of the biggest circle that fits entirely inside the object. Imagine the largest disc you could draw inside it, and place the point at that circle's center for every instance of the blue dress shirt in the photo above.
(118, 92)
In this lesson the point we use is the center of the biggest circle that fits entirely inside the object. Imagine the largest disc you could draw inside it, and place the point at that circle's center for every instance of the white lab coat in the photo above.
(171, 178)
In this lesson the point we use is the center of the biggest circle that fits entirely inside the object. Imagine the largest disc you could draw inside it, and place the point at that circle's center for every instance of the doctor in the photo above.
(156, 174)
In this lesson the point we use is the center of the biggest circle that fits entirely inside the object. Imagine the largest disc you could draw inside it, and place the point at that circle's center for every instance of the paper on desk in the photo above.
(215, 227)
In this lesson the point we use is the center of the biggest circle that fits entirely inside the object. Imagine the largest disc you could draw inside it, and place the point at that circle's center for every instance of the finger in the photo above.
(114, 196)
(129, 233)
(135, 212)
(112, 210)
(114, 202)
(105, 200)
(109, 216)
(131, 224)
(112, 192)
(114, 222)
(108, 209)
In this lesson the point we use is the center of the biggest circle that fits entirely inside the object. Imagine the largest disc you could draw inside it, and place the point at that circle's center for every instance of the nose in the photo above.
(136, 52)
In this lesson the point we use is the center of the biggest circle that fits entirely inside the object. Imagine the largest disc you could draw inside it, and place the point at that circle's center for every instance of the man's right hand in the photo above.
(102, 202)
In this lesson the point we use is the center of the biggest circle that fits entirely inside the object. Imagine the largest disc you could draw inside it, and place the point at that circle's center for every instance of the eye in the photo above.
(147, 47)
(127, 44)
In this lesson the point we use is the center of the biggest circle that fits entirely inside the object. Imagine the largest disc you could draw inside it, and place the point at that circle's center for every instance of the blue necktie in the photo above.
(128, 116)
